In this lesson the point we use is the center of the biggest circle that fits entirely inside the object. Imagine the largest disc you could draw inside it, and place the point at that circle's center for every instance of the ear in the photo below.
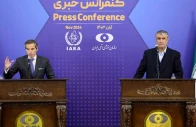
(167, 39)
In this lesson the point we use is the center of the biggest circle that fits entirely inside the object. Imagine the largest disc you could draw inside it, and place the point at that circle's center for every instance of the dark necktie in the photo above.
(32, 66)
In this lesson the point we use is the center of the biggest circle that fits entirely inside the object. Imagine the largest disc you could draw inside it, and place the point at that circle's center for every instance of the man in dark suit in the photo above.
(161, 61)
(30, 66)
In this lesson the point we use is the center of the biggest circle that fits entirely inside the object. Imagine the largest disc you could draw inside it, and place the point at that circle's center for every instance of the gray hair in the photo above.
(31, 41)
(162, 32)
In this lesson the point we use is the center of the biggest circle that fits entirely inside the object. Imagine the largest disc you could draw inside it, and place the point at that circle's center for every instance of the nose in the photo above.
(30, 52)
(161, 40)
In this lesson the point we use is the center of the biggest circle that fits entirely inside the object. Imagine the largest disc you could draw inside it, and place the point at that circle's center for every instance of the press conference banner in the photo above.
(99, 15)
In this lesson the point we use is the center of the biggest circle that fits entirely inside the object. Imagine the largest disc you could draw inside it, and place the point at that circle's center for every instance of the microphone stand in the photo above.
(158, 71)
(29, 70)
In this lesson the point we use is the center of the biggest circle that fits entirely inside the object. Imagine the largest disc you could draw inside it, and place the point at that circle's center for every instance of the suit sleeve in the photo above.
(12, 71)
(49, 71)
(178, 66)
(142, 67)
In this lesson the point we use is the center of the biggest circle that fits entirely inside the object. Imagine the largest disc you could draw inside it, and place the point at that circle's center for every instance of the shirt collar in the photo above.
(35, 57)
(164, 50)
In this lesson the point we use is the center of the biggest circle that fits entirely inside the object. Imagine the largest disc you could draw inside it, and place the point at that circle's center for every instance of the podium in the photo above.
(33, 103)
(158, 103)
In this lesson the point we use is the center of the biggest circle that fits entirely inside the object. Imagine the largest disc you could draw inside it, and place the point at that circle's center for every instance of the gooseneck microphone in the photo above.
(157, 65)
(28, 61)
(29, 69)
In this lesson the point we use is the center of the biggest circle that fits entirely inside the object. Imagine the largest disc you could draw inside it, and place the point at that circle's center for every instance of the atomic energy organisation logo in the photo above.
(104, 42)
(104, 37)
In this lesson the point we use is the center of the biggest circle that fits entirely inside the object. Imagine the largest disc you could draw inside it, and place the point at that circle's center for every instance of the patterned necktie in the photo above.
(32, 66)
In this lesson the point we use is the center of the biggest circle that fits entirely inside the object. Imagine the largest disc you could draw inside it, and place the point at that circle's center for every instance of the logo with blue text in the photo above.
(73, 40)
(104, 40)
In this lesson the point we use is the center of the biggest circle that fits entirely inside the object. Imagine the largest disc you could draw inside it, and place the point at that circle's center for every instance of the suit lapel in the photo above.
(155, 60)
(26, 63)
(37, 65)
(165, 59)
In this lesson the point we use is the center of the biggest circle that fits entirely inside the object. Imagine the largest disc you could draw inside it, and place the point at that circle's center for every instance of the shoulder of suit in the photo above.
(173, 51)
(22, 57)
(150, 50)
(41, 57)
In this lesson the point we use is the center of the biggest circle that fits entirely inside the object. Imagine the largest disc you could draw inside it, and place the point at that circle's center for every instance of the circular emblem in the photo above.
(29, 119)
(158, 119)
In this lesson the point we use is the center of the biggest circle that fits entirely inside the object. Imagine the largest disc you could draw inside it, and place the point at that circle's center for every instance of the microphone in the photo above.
(29, 69)
(157, 62)
(156, 47)
(28, 61)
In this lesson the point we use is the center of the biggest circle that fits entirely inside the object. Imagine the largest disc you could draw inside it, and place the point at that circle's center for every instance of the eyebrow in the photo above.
(161, 37)
(30, 48)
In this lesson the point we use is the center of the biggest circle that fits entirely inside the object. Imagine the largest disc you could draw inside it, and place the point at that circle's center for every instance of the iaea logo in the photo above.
(73, 39)
(104, 37)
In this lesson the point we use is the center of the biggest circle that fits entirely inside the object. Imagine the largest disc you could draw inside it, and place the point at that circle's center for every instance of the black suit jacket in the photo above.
(22, 66)
(170, 64)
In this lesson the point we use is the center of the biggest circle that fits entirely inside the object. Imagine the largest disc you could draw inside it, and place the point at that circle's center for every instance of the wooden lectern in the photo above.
(158, 103)
(33, 103)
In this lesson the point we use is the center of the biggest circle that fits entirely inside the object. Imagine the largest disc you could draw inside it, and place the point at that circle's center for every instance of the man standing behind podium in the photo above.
(30, 66)
(161, 61)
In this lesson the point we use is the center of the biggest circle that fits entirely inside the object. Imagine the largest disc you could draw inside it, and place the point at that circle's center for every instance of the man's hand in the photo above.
(8, 63)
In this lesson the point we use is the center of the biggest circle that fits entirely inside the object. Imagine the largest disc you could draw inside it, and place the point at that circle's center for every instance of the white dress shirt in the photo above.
(161, 54)
(34, 61)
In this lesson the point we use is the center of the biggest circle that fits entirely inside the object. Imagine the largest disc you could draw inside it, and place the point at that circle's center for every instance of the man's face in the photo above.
(31, 50)
(162, 40)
